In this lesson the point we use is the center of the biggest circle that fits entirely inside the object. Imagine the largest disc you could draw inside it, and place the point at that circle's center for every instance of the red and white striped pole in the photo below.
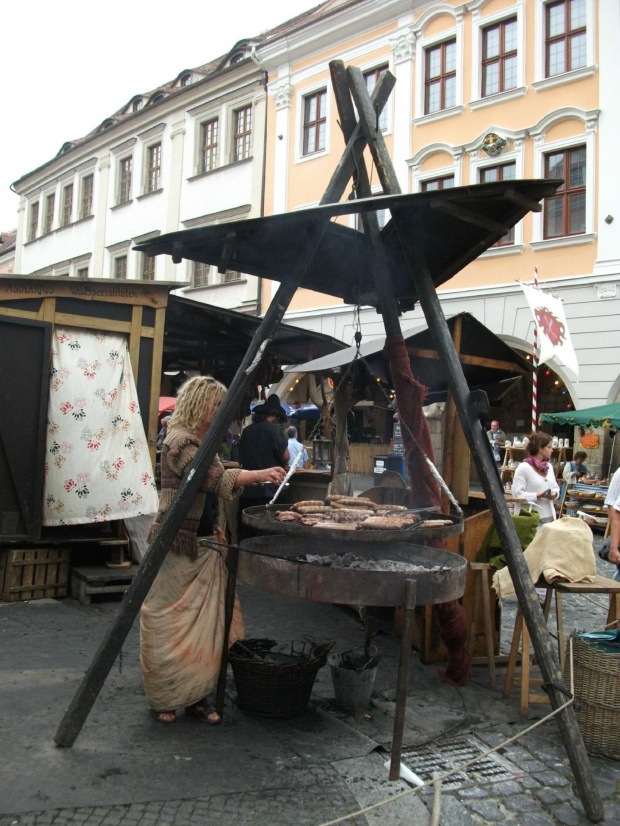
(535, 366)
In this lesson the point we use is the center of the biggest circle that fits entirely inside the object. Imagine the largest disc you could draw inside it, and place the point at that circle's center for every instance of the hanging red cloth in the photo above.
(425, 492)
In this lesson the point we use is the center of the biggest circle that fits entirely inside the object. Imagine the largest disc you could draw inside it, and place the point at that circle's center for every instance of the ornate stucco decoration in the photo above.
(403, 45)
(282, 93)
(493, 145)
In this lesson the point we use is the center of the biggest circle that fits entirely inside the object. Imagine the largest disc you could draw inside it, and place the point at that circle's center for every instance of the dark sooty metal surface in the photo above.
(262, 518)
(269, 563)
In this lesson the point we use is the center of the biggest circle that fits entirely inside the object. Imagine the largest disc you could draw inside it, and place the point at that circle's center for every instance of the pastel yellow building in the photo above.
(485, 90)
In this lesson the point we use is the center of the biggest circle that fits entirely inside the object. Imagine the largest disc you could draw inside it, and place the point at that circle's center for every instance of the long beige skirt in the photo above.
(182, 629)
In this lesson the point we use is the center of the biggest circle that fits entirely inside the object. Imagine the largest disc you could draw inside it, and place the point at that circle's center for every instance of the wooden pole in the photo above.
(481, 453)
(402, 681)
(103, 660)
(524, 587)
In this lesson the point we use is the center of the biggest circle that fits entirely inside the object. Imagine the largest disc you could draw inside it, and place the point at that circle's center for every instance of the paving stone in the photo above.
(528, 782)
(612, 812)
(453, 813)
(548, 796)
(473, 792)
(538, 818)
(490, 810)
(566, 815)
(522, 803)
(549, 778)
(505, 788)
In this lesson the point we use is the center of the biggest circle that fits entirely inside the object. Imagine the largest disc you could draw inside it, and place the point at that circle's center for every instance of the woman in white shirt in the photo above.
(534, 479)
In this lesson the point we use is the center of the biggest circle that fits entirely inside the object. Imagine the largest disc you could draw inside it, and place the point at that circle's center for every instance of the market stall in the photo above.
(429, 237)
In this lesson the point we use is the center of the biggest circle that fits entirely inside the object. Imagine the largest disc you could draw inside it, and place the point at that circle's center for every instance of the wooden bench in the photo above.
(98, 579)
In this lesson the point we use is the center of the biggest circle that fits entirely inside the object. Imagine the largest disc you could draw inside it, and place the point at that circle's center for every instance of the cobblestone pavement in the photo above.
(266, 773)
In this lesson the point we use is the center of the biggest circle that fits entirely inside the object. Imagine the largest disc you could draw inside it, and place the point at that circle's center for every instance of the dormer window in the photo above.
(137, 105)
(185, 80)
(157, 98)
(237, 58)
(106, 125)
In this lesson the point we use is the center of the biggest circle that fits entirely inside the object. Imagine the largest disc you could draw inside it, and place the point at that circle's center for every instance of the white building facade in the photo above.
(188, 154)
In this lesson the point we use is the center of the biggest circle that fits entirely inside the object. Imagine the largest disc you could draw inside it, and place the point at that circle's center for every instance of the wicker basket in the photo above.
(275, 679)
(597, 695)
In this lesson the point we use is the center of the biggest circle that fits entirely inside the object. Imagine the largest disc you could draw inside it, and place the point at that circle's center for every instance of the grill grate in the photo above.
(443, 756)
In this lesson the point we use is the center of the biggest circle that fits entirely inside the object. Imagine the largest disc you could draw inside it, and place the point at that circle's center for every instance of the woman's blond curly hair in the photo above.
(198, 398)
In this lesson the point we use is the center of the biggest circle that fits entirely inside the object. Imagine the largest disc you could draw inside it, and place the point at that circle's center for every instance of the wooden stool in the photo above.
(482, 595)
(599, 585)
(98, 579)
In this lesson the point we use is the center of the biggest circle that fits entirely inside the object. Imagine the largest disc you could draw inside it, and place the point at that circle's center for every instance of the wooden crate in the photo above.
(34, 573)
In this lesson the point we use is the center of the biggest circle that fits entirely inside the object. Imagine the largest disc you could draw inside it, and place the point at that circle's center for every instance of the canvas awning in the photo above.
(445, 231)
(606, 415)
(487, 361)
(214, 339)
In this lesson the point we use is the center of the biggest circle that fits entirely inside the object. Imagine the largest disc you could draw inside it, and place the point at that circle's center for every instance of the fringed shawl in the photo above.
(180, 447)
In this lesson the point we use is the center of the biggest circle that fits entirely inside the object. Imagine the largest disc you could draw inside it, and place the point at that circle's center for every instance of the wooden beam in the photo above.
(134, 340)
(105, 324)
(47, 310)
(477, 361)
(469, 217)
(19, 313)
(156, 365)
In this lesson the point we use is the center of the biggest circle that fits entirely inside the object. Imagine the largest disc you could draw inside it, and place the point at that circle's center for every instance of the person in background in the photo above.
(263, 444)
(534, 478)
(295, 447)
(573, 471)
(182, 617)
(497, 437)
(612, 500)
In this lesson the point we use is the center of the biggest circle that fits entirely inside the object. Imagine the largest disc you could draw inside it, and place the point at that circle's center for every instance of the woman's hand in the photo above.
(275, 475)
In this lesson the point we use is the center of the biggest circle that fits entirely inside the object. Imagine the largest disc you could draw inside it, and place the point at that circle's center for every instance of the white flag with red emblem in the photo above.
(553, 336)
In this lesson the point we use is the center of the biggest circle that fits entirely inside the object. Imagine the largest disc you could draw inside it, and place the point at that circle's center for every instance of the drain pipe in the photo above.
(254, 58)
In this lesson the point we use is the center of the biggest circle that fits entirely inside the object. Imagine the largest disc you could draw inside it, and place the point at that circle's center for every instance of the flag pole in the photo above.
(535, 366)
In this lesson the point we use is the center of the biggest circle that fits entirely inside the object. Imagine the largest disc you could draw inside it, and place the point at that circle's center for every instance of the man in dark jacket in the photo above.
(263, 444)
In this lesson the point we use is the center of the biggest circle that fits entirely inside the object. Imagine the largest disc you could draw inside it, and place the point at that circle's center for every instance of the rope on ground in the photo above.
(442, 777)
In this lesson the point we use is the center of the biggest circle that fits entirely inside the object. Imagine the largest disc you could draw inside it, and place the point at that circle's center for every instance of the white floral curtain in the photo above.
(97, 465)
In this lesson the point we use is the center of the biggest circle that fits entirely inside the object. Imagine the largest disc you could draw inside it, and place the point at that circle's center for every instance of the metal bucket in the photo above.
(353, 676)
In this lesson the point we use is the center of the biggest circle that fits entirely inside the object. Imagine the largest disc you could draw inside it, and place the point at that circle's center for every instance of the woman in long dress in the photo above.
(182, 618)
(534, 478)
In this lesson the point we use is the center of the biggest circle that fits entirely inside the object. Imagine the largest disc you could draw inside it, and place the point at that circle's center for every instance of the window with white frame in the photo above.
(153, 168)
(440, 77)
(209, 142)
(435, 184)
(565, 36)
(33, 223)
(242, 137)
(67, 205)
(499, 57)
(371, 78)
(564, 213)
(314, 122)
(86, 196)
(498, 54)
(565, 42)
(125, 173)
(82, 272)
(120, 267)
(148, 267)
(567, 217)
(200, 274)
(50, 202)
(500, 172)
(230, 276)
